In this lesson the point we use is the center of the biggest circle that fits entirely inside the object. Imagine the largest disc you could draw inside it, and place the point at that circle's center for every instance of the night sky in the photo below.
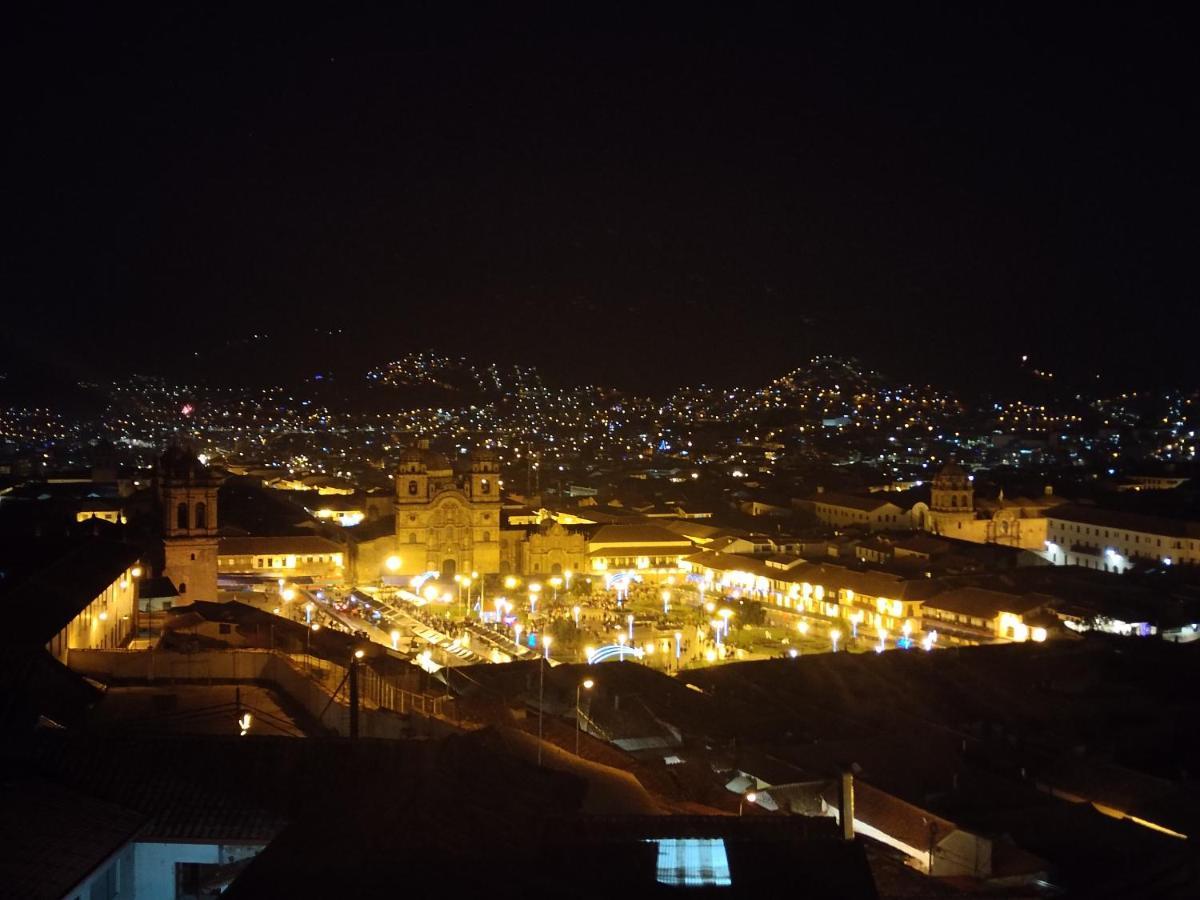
(701, 194)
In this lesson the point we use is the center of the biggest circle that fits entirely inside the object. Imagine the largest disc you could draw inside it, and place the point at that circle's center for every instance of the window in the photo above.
(201, 515)
(193, 557)
(181, 516)
(412, 537)
(183, 587)
(485, 486)
(487, 536)
(223, 628)
(692, 862)
(108, 884)
(412, 488)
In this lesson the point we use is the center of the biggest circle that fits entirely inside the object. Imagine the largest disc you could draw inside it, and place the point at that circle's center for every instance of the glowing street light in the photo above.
(308, 611)
(802, 627)
(546, 639)
(556, 583)
(288, 595)
(678, 644)
(586, 684)
(834, 636)
(510, 583)
(136, 571)
(517, 629)
(725, 614)
(567, 578)
(575, 614)
(629, 620)
(666, 599)
(392, 563)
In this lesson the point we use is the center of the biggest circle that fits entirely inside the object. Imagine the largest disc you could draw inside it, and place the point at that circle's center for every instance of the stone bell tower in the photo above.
(188, 493)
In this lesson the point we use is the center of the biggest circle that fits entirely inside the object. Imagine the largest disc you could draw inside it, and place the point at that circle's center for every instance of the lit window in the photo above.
(693, 862)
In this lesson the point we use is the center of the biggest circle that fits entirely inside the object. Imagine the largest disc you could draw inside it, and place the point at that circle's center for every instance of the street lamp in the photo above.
(392, 563)
(629, 619)
(510, 582)
(395, 639)
(802, 627)
(725, 614)
(555, 583)
(750, 797)
(308, 611)
(678, 644)
(517, 629)
(546, 645)
(834, 636)
(666, 599)
(308, 643)
(575, 614)
(586, 684)
(567, 578)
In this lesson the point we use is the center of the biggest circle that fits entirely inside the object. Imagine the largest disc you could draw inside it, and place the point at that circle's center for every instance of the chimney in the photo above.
(846, 804)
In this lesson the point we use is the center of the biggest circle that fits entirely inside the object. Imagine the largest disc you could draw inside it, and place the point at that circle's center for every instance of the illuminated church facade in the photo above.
(447, 521)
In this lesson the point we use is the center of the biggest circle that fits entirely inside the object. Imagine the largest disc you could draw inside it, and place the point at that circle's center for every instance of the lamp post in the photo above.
(554, 583)
(575, 614)
(629, 620)
(666, 599)
(308, 643)
(586, 684)
(542, 691)
(833, 637)
(749, 797)
(517, 629)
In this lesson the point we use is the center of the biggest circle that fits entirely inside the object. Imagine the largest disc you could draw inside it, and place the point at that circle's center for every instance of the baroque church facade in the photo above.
(447, 521)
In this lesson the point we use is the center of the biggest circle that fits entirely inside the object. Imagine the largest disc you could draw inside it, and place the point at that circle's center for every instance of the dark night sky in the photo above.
(712, 194)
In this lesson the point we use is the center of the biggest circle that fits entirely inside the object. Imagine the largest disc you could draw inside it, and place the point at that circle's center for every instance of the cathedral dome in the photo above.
(412, 456)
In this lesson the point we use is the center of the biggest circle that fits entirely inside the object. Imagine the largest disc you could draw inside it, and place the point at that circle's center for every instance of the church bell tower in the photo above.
(188, 493)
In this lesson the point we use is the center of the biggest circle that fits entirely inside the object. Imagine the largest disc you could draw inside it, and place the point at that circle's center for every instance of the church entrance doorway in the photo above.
(449, 567)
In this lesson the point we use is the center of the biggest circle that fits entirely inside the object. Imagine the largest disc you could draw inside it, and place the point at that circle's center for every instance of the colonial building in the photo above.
(306, 555)
(956, 512)
(952, 503)
(874, 513)
(188, 494)
(548, 548)
(651, 551)
(446, 520)
(69, 594)
(1114, 541)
